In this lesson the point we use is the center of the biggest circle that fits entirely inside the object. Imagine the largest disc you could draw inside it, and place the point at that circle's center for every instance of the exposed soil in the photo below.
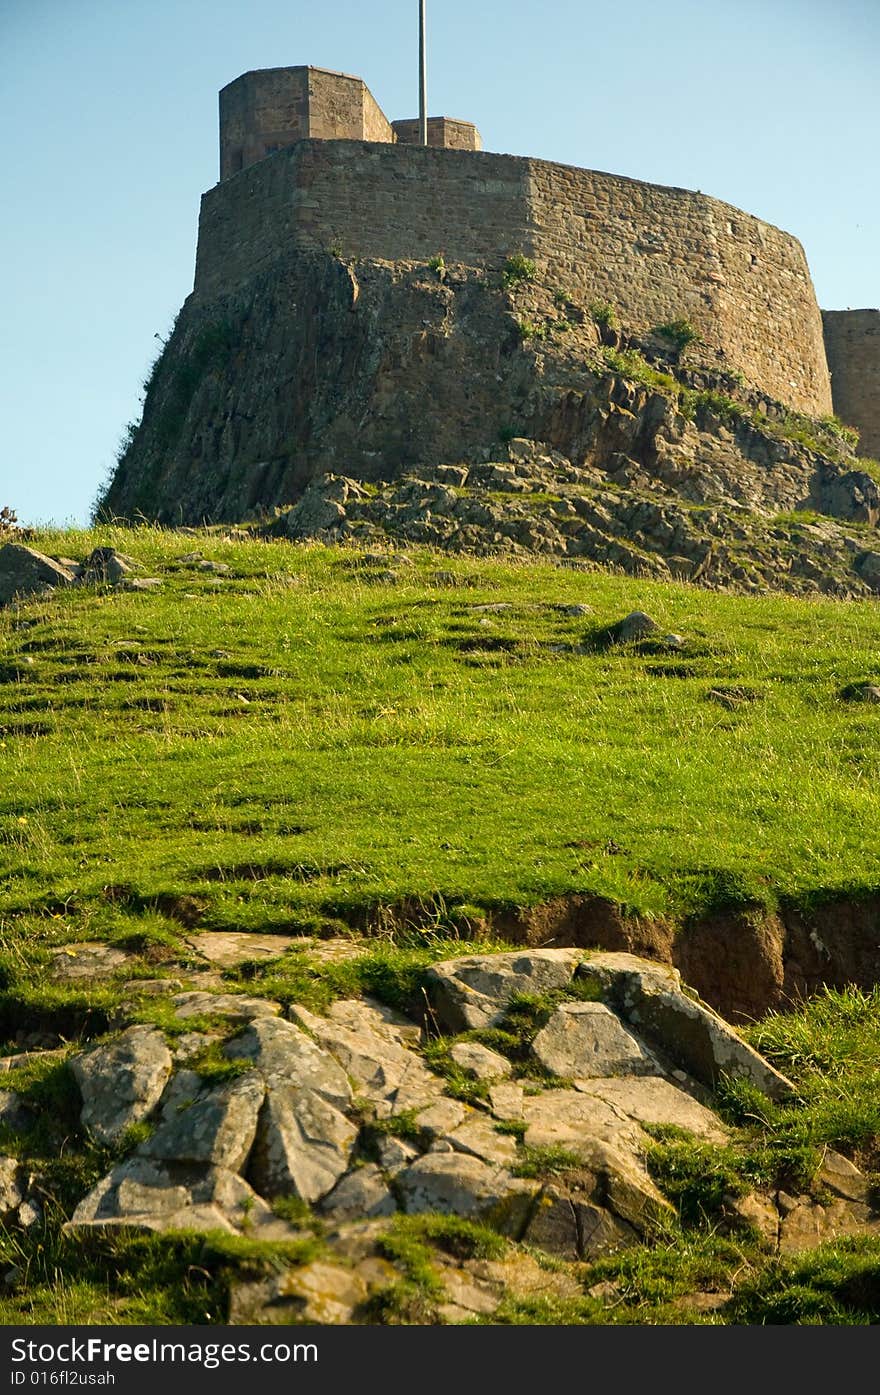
(744, 963)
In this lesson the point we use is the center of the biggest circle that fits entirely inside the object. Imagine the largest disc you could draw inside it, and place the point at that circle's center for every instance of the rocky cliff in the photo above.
(565, 435)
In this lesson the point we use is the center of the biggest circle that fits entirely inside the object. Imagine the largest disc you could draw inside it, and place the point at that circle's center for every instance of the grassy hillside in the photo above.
(307, 734)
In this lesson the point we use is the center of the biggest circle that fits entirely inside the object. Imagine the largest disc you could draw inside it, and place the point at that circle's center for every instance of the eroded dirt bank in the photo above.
(745, 963)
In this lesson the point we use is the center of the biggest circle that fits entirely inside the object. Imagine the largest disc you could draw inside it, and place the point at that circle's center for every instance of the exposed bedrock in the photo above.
(378, 370)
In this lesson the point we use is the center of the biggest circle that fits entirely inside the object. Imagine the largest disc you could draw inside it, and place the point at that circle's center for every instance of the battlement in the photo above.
(266, 110)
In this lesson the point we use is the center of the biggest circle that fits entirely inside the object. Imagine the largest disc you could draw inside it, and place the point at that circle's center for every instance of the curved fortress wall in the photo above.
(852, 343)
(655, 253)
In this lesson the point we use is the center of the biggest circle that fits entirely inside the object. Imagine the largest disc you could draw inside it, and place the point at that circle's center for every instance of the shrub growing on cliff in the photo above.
(518, 269)
(603, 313)
(8, 523)
(680, 333)
(209, 349)
(835, 427)
(529, 330)
(631, 364)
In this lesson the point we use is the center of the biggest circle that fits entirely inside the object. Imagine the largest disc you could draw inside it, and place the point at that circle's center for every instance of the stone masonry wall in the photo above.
(446, 131)
(662, 253)
(257, 110)
(852, 343)
(377, 127)
(656, 253)
(394, 203)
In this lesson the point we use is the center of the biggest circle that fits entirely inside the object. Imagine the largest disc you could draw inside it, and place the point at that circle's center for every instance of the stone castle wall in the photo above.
(655, 253)
(852, 343)
(660, 253)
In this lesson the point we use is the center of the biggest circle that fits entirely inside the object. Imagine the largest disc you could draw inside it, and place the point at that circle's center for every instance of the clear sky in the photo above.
(109, 115)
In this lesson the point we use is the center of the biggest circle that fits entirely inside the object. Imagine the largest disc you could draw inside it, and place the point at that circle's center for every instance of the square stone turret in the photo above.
(266, 110)
(445, 131)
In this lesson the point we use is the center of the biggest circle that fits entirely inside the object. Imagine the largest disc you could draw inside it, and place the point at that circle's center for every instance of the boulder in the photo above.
(395, 1154)
(465, 1297)
(472, 992)
(757, 1212)
(15, 1115)
(87, 961)
(808, 1224)
(575, 1122)
(105, 564)
(478, 1136)
(155, 1195)
(651, 998)
(324, 1292)
(607, 1143)
(456, 1184)
(653, 1100)
(321, 507)
(843, 1178)
(362, 1192)
(506, 1099)
(218, 1127)
(441, 1117)
(419, 1088)
(479, 1062)
(633, 627)
(861, 692)
(868, 567)
(368, 1014)
(566, 1221)
(227, 948)
(374, 1060)
(853, 496)
(588, 1039)
(26, 572)
(122, 1081)
(235, 1007)
(285, 1055)
(12, 1189)
(303, 1144)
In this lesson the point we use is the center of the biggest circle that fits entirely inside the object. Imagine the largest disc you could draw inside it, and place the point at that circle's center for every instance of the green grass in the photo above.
(837, 1285)
(832, 1048)
(546, 1162)
(120, 1277)
(291, 747)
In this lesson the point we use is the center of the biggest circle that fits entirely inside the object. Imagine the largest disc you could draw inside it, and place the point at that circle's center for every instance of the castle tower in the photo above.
(266, 110)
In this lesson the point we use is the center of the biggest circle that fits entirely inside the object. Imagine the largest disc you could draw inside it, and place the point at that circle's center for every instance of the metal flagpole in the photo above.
(423, 79)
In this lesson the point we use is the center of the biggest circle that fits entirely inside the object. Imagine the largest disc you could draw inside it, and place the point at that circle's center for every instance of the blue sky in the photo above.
(109, 110)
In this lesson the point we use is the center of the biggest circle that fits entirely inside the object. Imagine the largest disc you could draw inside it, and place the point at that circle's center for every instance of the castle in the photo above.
(309, 161)
(352, 315)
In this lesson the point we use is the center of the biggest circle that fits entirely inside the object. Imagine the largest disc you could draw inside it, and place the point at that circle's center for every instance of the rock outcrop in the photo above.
(26, 572)
(382, 413)
(343, 1112)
